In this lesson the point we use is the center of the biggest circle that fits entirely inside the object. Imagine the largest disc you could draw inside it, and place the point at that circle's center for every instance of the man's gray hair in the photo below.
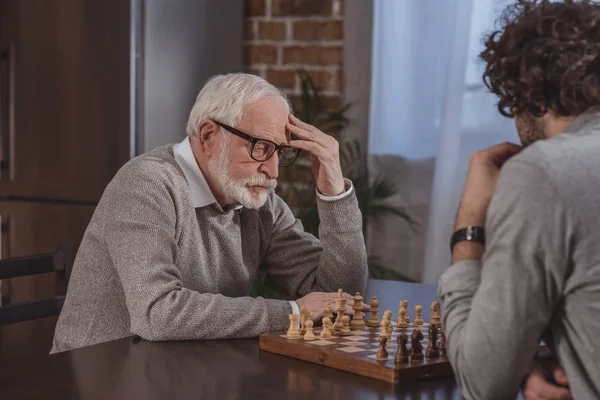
(224, 98)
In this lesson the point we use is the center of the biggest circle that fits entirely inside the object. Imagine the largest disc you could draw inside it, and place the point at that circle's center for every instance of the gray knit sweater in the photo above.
(152, 265)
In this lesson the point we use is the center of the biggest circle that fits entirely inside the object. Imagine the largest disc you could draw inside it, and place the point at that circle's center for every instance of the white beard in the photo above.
(238, 190)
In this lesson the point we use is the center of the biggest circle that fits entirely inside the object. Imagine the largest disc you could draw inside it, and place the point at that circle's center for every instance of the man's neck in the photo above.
(555, 125)
(221, 198)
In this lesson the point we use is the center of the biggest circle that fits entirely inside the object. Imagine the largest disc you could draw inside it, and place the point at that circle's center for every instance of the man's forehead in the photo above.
(265, 122)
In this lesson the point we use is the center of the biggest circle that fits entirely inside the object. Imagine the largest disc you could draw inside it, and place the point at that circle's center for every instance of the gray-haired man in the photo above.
(179, 234)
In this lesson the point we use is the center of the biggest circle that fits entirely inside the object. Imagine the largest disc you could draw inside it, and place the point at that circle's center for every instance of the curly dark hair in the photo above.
(546, 57)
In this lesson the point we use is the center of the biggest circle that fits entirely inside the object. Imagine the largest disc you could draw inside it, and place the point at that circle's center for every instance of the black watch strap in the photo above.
(470, 233)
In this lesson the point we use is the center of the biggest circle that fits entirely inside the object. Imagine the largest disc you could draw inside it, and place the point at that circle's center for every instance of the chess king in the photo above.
(534, 211)
(180, 232)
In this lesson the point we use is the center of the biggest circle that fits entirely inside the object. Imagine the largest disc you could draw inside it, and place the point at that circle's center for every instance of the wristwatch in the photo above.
(470, 233)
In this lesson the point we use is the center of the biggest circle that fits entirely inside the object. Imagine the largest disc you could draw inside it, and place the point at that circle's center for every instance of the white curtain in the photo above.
(429, 112)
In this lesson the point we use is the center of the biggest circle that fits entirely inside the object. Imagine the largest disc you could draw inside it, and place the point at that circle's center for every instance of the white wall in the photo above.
(184, 43)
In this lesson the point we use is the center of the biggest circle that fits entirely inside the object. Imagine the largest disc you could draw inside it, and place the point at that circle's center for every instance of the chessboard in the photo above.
(357, 353)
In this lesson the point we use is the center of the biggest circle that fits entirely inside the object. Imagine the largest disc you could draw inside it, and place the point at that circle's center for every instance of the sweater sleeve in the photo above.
(302, 263)
(141, 236)
(496, 311)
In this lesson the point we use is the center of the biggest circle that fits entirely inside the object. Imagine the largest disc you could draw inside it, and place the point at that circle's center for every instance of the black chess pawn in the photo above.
(432, 347)
(402, 353)
(382, 353)
(416, 349)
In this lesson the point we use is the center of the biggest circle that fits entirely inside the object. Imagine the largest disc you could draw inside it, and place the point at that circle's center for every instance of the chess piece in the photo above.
(385, 324)
(432, 347)
(416, 349)
(328, 313)
(305, 313)
(442, 346)
(341, 309)
(404, 304)
(293, 332)
(357, 323)
(436, 315)
(326, 332)
(373, 322)
(345, 331)
(382, 353)
(401, 302)
(390, 329)
(387, 314)
(309, 335)
(402, 319)
(418, 319)
(402, 353)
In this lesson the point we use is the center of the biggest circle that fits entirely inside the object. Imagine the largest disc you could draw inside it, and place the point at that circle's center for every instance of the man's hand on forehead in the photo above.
(326, 156)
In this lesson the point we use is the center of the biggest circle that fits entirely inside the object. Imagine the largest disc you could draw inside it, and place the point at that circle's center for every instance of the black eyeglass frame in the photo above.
(253, 141)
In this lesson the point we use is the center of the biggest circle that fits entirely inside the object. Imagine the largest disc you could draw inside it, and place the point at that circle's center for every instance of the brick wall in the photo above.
(285, 35)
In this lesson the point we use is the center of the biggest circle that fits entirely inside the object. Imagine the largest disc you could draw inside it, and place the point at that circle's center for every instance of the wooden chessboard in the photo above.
(357, 354)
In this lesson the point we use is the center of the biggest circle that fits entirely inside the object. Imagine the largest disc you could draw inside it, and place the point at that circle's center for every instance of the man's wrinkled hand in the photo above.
(317, 301)
(325, 150)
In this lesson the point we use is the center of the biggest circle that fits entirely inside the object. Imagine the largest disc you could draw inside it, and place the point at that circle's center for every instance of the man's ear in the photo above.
(207, 137)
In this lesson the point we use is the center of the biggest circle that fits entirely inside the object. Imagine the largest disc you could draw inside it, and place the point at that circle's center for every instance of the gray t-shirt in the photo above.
(540, 273)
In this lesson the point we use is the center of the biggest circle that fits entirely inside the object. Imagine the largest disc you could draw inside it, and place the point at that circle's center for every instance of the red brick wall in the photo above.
(285, 35)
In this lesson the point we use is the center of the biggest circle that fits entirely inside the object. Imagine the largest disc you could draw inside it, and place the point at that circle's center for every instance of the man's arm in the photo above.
(303, 264)
(496, 311)
(141, 236)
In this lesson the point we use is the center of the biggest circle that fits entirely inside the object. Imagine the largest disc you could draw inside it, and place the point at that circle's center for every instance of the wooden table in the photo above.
(131, 368)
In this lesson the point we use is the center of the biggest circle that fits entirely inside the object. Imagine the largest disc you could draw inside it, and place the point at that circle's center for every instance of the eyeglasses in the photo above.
(263, 149)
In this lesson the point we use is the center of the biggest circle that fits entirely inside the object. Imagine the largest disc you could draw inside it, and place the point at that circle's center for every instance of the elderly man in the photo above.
(536, 271)
(179, 234)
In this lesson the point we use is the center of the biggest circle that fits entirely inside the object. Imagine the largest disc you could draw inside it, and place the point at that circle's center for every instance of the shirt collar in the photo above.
(202, 196)
(588, 117)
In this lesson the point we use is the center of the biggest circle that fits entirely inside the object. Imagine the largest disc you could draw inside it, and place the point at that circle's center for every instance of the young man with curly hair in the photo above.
(526, 247)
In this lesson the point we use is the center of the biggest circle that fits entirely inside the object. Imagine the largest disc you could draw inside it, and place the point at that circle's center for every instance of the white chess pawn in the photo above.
(385, 331)
(325, 332)
(402, 319)
(373, 322)
(418, 319)
(404, 304)
(309, 335)
(346, 329)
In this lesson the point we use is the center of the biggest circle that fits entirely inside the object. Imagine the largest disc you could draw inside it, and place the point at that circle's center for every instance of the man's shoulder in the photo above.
(562, 159)
(156, 166)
